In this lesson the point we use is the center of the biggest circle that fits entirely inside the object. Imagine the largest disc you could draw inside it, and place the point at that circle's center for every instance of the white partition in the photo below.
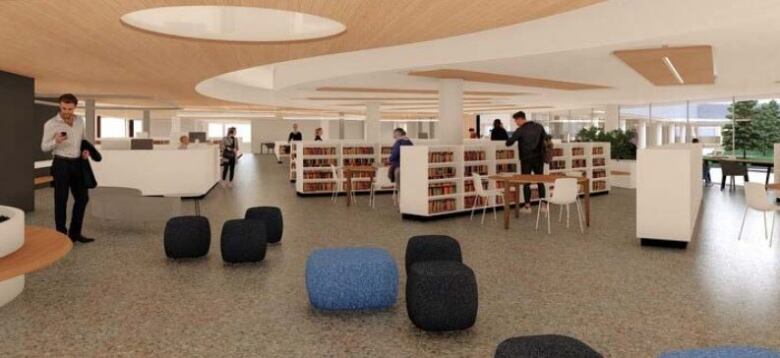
(669, 193)
(777, 162)
(160, 172)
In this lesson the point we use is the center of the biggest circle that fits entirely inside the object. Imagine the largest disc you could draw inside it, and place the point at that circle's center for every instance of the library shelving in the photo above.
(281, 150)
(447, 187)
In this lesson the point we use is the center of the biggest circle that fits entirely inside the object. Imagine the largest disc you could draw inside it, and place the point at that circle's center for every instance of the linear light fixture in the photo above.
(673, 69)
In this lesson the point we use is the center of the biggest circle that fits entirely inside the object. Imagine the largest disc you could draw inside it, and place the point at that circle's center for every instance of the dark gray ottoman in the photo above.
(432, 248)
(545, 346)
(187, 236)
(272, 217)
(441, 295)
(243, 241)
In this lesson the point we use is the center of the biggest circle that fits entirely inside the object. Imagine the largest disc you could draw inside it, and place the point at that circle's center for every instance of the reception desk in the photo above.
(163, 172)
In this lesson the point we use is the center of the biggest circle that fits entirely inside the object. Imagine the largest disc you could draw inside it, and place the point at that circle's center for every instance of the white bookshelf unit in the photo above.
(281, 150)
(293, 162)
(446, 187)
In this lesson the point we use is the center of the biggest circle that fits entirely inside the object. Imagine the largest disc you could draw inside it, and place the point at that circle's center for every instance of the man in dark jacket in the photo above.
(530, 146)
(498, 132)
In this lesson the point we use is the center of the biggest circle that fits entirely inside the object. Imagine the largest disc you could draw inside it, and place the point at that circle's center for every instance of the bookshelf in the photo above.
(446, 187)
(281, 150)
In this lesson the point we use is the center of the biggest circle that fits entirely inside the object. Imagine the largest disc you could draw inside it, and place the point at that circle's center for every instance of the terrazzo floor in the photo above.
(120, 296)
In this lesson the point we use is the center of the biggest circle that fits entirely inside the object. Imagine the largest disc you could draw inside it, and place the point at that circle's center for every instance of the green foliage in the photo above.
(757, 127)
(622, 143)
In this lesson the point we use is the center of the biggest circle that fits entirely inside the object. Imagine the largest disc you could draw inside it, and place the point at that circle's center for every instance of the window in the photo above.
(138, 127)
(112, 127)
(243, 131)
(215, 130)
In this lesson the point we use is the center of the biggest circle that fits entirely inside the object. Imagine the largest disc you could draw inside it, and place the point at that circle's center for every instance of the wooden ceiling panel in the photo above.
(374, 99)
(415, 91)
(487, 77)
(694, 64)
(81, 46)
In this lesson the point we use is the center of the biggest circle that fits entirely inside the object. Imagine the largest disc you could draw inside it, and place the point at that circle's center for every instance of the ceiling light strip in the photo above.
(673, 69)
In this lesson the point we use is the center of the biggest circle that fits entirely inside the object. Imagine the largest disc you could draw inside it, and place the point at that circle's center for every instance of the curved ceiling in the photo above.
(233, 23)
(81, 46)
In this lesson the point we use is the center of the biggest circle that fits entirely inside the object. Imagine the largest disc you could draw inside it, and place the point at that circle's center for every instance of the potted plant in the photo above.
(11, 230)
(622, 165)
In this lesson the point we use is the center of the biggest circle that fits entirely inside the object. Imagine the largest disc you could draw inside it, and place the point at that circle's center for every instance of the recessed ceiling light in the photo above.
(233, 23)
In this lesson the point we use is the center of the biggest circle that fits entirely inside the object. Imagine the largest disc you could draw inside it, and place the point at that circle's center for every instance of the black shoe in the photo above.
(82, 239)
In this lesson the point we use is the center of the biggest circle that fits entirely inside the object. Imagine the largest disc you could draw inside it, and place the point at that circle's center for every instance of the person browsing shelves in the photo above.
(295, 135)
(394, 173)
(530, 137)
(498, 132)
(318, 134)
(229, 148)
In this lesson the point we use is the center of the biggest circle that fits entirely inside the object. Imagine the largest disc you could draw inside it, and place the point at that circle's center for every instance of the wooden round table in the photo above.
(42, 247)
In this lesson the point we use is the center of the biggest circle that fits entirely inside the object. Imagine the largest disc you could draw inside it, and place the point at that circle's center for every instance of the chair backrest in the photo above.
(478, 188)
(755, 196)
(382, 180)
(566, 191)
(732, 168)
(334, 172)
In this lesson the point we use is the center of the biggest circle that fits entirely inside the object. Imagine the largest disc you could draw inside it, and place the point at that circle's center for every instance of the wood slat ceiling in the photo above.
(81, 46)
(487, 77)
(415, 91)
(693, 63)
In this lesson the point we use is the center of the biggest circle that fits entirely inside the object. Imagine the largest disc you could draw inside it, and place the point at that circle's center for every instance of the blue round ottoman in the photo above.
(723, 352)
(351, 279)
(187, 236)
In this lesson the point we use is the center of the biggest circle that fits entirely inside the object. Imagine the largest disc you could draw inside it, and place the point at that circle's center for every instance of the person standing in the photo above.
(295, 135)
(318, 134)
(394, 173)
(62, 135)
(530, 146)
(473, 134)
(229, 148)
(498, 132)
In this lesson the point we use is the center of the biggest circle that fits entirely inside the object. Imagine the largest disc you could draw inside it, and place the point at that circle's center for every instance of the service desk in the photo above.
(160, 171)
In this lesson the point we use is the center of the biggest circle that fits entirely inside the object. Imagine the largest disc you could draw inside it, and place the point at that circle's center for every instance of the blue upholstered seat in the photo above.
(723, 352)
(351, 279)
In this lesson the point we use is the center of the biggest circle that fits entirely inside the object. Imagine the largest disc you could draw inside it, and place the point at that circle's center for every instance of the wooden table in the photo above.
(349, 171)
(41, 248)
(768, 164)
(775, 187)
(519, 179)
(269, 146)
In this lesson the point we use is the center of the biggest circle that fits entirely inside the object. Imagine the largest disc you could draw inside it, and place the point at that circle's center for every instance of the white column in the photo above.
(641, 136)
(147, 122)
(671, 133)
(451, 111)
(659, 133)
(683, 134)
(372, 125)
(341, 126)
(175, 126)
(90, 119)
(325, 125)
(611, 117)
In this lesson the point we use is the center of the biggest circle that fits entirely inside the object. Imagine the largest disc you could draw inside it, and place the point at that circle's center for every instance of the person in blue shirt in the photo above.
(395, 156)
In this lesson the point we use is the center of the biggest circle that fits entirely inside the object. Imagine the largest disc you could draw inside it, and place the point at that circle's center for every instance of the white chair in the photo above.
(756, 199)
(381, 182)
(484, 196)
(573, 174)
(565, 194)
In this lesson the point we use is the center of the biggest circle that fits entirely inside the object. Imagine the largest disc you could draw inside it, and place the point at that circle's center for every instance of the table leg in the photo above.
(587, 202)
(768, 171)
(517, 200)
(506, 204)
(348, 176)
(197, 207)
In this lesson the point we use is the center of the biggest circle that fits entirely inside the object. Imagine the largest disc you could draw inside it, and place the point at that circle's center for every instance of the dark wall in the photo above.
(17, 141)
(42, 114)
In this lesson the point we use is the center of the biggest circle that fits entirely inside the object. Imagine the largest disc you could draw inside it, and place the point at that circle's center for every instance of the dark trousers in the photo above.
(69, 176)
(532, 166)
(229, 164)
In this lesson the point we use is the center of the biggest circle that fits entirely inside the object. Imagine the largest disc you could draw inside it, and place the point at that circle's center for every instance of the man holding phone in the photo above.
(62, 135)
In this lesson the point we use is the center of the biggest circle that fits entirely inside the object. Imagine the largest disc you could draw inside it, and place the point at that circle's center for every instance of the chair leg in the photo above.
(739, 237)
(474, 207)
(772, 231)
(579, 216)
(723, 183)
(548, 218)
(495, 215)
(538, 214)
(765, 233)
(567, 215)
(484, 209)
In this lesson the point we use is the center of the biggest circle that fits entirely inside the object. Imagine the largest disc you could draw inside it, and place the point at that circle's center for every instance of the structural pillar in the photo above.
(641, 136)
(659, 134)
(147, 123)
(611, 117)
(325, 125)
(175, 126)
(672, 129)
(684, 134)
(341, 126)
(451, 111)
(372, 124)
(90, 119)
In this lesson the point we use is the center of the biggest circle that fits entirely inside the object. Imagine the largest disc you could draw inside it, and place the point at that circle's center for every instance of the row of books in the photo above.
(387, 150)
(317, 175)
(315, 187)
(441, 173)
(469, 186)
(441, 205)
(474, 155)
(506, 168)
(479, 169)
(577, 151)
(599, 173)
(599, 162)
(598, 151)
(357, 150)
(557, 164)
(313, 163)
(599, 185)
(505, 154)
(557, 152)
(358, 162)
(284, 149)
(319, 151)
(440, 157)
(579, 163)
(442, 189)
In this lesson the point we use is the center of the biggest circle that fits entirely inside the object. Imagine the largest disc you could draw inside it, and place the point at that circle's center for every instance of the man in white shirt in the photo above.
(62, 135)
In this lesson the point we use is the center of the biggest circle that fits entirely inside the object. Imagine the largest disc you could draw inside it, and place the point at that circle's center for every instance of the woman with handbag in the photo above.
(229, 149)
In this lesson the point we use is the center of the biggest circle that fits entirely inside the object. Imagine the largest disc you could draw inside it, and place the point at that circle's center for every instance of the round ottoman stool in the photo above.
(351, 279)
(243, 241)
(187, 236)
(272, 217)
(432, 248)
(441, 295)
(545, 346)
(723, 352)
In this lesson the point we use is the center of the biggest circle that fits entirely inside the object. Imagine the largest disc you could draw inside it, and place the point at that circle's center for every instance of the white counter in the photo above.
(161, 171)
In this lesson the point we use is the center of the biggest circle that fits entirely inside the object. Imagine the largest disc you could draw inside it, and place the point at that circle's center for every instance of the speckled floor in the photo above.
(120, 296)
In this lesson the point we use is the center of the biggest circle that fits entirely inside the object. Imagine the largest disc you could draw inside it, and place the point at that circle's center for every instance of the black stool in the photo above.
(441, 295)
(545, 346)
(272, 217)
(243, 241)
(432, 248)
(187, 236)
